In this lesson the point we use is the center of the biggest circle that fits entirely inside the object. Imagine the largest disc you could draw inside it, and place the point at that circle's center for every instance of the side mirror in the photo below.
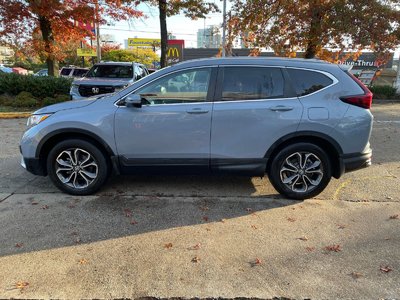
(133, 100)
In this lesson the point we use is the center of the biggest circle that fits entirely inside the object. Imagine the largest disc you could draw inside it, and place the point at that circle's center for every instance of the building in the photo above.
(6, 55)
(209, 37)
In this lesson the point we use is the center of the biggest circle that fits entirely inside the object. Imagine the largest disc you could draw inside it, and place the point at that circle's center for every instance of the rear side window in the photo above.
(306, 82)
(252, 83)
(65, 71)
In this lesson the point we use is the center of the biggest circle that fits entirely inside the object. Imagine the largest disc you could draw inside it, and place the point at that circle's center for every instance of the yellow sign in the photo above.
(173, 52)
(148, 43)
(86, 52)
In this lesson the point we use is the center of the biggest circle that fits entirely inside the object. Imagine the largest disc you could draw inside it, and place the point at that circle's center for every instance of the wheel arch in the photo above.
(57, 136)
(325, 142)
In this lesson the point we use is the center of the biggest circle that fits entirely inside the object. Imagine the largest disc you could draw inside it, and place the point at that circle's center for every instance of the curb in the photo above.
(14, 115)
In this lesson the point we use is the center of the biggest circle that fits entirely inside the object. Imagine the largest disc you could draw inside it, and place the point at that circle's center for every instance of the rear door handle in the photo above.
(197, 111)
(281, 108)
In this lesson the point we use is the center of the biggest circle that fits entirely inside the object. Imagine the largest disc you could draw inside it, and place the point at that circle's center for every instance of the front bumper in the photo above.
(34, 166)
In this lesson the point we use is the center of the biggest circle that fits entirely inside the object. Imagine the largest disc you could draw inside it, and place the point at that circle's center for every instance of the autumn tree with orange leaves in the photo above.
(320, 28)
(49, 24)
(193, 9)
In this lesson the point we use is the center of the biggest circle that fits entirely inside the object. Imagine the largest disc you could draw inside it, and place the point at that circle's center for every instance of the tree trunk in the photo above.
(315, 32)
(162, 5)
(48, 38)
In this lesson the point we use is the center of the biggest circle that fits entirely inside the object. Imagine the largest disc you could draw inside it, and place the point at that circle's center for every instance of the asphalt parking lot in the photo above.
(203, 237)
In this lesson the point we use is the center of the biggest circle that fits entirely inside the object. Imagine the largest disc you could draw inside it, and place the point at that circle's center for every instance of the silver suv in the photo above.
(107, 77)
(299, 121)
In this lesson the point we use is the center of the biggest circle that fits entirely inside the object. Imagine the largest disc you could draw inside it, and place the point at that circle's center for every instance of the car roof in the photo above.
(268, 61)
(116, 63)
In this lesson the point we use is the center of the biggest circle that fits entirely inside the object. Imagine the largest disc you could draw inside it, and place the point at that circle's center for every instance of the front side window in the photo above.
(182, 87)
(111, 71)
(306, 82)
(252, 83)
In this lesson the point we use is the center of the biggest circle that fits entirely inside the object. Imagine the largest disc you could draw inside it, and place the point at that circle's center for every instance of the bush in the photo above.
(6, 100)
(383, 92)
(59, 98)
(39, 87)
(24, 99)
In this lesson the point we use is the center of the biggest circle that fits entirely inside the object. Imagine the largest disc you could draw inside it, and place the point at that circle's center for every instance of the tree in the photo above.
(144, 56)
(193, 9)
(48, 24)
(314, 26)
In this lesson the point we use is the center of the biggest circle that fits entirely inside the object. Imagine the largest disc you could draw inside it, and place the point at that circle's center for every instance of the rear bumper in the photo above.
(355, 161)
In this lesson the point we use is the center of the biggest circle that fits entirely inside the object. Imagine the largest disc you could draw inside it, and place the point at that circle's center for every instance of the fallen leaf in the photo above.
(195, 247)
(290, 219)
(71, 205)
(82, 261)
(385, 269)
(78, 240)
(205, 218)
(21, 284)
(256, 262)
(333, 248)
(387, 238)
(303, 238)
(127, 212)
(223, 220)
(204, 208)
(168, 246)
(393, 217)
(19, 245)
(389, 198)
(74, 233)
(355, 275)
(133, 222)
(310, 249)
(254, 227)
(34, 203)
(249, 209)
(208, 229)
(195, 259)
(341, 226)
(45, 207)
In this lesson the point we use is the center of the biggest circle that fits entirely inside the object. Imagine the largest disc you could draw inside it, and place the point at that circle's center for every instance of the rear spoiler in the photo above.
(345, 67)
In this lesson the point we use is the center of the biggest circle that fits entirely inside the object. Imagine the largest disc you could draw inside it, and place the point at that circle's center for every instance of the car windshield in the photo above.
(111, 71)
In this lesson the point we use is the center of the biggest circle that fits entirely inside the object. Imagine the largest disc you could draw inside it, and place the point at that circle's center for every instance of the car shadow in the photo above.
(128, 206)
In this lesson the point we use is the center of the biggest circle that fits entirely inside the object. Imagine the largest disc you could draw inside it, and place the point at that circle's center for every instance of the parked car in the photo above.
(6, 70)
(107, 77)
(72, 71)
(299, 121)
(42, 72)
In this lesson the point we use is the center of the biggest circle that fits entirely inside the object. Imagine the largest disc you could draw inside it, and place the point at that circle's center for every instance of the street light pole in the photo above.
(223, 28)
(97, 17)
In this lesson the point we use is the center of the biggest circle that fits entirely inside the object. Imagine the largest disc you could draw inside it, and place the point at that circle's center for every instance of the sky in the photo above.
(180, 26)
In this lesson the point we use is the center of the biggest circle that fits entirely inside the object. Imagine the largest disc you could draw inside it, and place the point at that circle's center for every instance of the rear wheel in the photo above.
(300, 171)
(77, 167)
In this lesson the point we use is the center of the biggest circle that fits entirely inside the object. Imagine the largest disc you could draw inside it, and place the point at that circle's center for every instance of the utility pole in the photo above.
(97, 21)
(223, 28)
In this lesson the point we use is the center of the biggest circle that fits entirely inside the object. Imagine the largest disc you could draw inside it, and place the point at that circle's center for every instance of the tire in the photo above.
(300, 171)
(77, 167)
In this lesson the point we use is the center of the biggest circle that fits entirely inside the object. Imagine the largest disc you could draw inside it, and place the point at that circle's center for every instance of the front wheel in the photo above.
(77, 167)
(300, 171)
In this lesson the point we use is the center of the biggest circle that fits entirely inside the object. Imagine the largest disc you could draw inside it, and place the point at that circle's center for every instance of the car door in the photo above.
(171, 130)
(254, 107)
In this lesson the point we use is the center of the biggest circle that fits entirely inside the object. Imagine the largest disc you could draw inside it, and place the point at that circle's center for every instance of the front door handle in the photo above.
(197, 110)
(281, 108)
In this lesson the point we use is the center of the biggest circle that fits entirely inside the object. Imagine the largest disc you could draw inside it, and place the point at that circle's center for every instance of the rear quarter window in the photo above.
(306, 82)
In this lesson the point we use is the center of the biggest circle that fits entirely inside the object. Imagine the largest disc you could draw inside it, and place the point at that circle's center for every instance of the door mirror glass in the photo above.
(133, 100)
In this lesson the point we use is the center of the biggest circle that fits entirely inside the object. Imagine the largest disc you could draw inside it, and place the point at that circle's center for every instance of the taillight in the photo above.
(364, 101)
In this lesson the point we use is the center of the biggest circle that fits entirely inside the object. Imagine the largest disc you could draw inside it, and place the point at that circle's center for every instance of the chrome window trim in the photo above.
(167, 74)
(329, 75)
(255, 100)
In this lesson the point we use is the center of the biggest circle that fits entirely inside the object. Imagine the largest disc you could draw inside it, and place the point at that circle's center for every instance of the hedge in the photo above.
(384, 92)
(39, 87)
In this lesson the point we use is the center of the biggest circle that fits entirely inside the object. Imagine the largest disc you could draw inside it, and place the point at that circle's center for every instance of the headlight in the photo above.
(120, 88)
(36, 119)
(74, 88)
